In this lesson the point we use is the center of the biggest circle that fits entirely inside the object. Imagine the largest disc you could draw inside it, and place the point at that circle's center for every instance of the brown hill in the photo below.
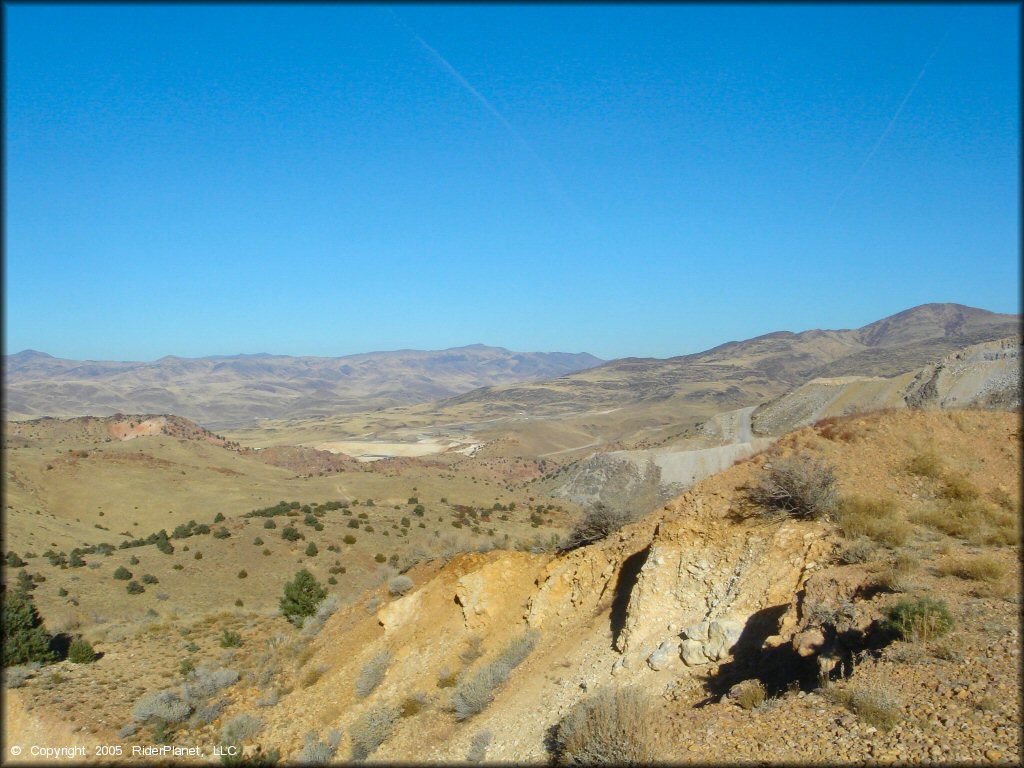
(487, 654)
(220, 391)
(635, 402)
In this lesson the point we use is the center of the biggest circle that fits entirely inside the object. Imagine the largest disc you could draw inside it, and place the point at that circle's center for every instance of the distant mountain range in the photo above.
(733, 372)
(618, 399)
(225, 391)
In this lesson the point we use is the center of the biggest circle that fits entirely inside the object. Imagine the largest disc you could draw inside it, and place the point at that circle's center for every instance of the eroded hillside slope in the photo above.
(683, 604)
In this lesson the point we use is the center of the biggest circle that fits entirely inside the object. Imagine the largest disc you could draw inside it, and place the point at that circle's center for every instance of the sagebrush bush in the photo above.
(874, 706)
(612, 726)
(371, 729)
(475, 693)
(478, 746)
(919, 619)
(598, 522)
(373, 673)
(800, 487)
(165, 706)
(400, 585)
(15, 677)
(240, 728)
(203, 682)
(121, 573)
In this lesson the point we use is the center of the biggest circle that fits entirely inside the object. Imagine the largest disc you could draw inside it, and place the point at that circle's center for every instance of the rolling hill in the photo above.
(232, 390)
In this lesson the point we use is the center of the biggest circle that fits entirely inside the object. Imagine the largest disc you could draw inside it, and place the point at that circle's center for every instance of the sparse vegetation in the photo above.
(612, 727)
(373, 673)
(399, 585)
(977, 568)
(920, 619)
(874, 706)
(598, 522)
(926, 464)
(371, 729)
(751, 694)
(877, 519)
(230, 639)
(474, 694)
(799, 486)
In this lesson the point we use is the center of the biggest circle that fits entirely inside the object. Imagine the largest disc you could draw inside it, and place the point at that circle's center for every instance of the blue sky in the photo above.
(649, 181)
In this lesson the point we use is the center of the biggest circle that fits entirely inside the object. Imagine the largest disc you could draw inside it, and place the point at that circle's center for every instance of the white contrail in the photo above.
(888, 128)
(554, 185)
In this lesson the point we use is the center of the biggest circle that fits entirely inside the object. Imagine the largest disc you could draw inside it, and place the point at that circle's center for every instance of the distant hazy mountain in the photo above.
(232, 390)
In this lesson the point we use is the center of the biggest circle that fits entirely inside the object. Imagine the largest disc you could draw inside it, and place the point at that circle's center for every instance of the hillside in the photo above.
(679, 606)
(233, 390)
(642, 403)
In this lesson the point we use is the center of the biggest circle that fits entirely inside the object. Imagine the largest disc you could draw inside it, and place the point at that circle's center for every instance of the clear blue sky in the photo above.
(650, 181)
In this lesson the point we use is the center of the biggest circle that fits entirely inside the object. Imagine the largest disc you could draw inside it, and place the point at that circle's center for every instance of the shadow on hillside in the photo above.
(778, 668)
(628, 575)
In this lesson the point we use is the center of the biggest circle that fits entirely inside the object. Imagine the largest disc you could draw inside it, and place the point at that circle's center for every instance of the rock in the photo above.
(722, 636)
(664, 655)
(993, 755)
(692, 653)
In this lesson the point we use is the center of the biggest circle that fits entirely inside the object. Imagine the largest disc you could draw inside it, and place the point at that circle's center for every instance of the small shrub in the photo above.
(878, 519)
(81, 652)
(311, 550)
(164, 706)
(370, 730)
(920, 619)
(611, 727)
(186, 666)
(312, 676)
(860, 550)
(447, 679)
(219, 518)
(258, 542)
(894, 576)
(349, 539)
(478, 746)
(373, 673)
(315, 752)
(750, 694)
(472, 651)
(243, 574)
(222, 533)
(400, 585)
(198, 555)
(474, 694)
(149, 578)
(800, 487)
(15, 677)
(979, 568)
(413, 705)
(230, 639)
(925, 465)
(240, 728)
(380, 558)
(269, 524)
(958, 488)
(134, 588)
(133, 560)
(874, 706)
(598, 522)
(202, 683)
(122, 573)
